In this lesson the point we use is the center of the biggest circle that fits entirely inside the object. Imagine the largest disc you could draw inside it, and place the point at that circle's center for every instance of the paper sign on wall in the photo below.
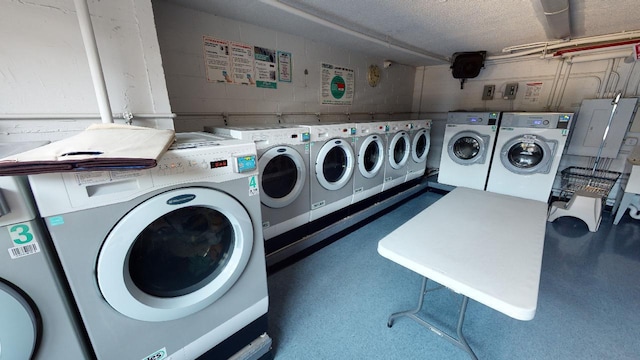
(265, 67)
(242, 63)
(217, 60)
(636, 51)
(337, 84)
(532, 92)
(284, 66)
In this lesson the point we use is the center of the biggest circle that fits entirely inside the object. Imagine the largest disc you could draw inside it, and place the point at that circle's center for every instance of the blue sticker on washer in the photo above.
(56, 220)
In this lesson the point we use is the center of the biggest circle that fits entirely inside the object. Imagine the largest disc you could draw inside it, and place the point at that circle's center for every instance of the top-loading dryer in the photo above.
(468, 144)
(39, 319)
(165, 262)
(528, 152)
(283, 161)
(420, 134)
(370, 144)
(332, 162)
(398, 153)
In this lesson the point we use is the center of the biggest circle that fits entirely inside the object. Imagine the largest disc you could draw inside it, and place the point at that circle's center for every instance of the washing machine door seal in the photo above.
(175, 254)
(334, 164)
(399, 149)
(283, 174)
(420, 146)
(21, 323)
(371, 156)
(468, 148)
(528, 154)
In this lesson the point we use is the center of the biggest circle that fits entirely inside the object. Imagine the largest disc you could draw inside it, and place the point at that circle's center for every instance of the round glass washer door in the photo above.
(370, 156)
(528, 155)
(283, 173)
(420, 146)
(334, 164)
(399, 149)
(20, 323)
(468, 147)
(175, 254)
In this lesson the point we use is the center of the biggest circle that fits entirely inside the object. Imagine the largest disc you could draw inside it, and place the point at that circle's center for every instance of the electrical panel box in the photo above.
(487, 93)
(591, 123)
(510, 91)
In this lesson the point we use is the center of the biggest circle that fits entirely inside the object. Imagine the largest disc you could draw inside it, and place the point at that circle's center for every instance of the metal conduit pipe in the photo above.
(90, 47)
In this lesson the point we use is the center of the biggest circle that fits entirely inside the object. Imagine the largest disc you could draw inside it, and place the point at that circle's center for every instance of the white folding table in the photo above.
(482, 245)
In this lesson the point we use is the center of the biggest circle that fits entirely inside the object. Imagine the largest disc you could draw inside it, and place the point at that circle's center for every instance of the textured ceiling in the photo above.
(430, 30)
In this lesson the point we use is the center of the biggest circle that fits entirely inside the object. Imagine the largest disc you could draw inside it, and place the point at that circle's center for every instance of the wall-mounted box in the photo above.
(590, 125)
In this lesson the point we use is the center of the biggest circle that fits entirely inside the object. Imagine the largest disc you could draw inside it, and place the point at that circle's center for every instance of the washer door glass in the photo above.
(527, 155)
(175, 254)
(399, 150)
(334, 165)
(420, 146)
(468, 147)
(370, 156)
(20, 324)
(283, 175)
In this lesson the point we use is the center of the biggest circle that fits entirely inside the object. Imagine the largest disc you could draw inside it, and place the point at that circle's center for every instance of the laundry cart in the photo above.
(583, 194)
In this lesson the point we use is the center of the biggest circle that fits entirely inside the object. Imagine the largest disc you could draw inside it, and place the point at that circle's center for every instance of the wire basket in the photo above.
(599, 182)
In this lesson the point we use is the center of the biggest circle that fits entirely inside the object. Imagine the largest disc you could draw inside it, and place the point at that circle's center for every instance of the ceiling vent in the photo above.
(467, 65)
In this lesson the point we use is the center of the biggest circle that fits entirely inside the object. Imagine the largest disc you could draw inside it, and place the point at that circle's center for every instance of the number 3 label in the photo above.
(21, 234)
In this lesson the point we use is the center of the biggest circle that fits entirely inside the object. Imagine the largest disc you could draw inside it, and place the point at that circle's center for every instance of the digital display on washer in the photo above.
(219, 163)
(246, 163)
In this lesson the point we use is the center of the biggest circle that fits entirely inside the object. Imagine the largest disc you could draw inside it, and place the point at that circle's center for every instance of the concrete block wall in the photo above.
(180, 31)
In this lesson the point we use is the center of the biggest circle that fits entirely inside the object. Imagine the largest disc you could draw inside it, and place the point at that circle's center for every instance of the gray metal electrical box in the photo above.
(591, 122)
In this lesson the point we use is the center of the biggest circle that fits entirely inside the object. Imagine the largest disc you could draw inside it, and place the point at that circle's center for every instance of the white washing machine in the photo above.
(528, 151)
(420, 134)
(398, 154)
(283, 161)
(468, 143)
(38, 319)
(166, 262)
(369, 144)
(332, 163)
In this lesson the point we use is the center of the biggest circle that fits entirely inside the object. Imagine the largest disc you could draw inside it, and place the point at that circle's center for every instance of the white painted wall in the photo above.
(180, 31)
(44, 70)
(564, 87)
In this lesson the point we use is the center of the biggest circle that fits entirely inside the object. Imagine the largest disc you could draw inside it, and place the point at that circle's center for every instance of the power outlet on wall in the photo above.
(488, 91)
(510, 91)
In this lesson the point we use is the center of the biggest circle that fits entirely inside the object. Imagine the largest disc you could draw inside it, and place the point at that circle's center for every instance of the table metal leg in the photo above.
(460, 341)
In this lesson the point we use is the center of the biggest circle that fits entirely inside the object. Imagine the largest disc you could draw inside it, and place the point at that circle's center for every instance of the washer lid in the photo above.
(19, 326)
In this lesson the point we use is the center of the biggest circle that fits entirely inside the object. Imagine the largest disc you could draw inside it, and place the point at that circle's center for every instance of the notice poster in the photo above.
(217, 60)
(284, 66)
(266, 68)
(242, 63)
(532, 92)
(337, 85)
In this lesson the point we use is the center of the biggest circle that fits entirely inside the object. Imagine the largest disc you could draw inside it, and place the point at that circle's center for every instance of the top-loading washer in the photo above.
(468, 144)
(283, 161)
(527, 155)
(332, 162)
(165, 262)
(398, 153)
(39, 318)
(420, 134)
(369, 144)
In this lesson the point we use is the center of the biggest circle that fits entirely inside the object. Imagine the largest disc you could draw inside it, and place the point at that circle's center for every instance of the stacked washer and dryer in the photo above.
(39, 317)
(166, 262)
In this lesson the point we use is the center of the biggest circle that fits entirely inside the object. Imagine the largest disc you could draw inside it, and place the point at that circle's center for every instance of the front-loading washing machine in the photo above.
(38, 318)
(332, 162)
(398, 153)
(468, 144)
(528, 152)
(369, 144)
(283, 162)
(420, 134)
(165, 262)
